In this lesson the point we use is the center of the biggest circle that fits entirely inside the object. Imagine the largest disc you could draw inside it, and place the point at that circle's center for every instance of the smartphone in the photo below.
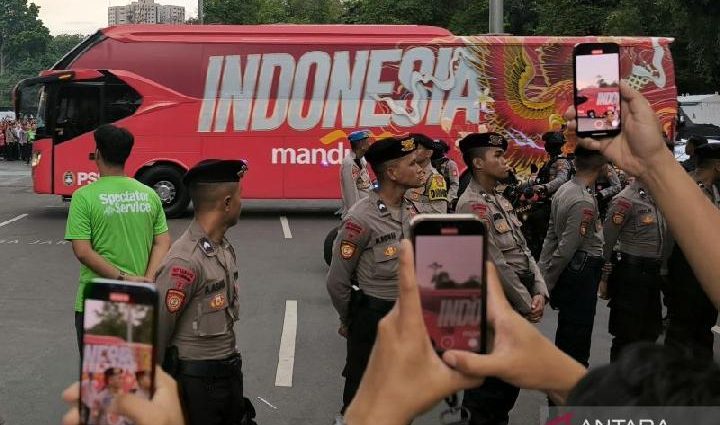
(450, 272)
(597, 89)
(118, 347)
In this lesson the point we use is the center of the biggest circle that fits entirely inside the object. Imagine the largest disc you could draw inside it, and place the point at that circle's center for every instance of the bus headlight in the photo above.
(35, 159)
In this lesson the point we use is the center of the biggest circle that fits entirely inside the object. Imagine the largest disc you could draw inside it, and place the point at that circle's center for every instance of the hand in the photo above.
(640, 145)
(537, 307)
(343, 331)
(405, 376)
(139, 279)
(603, 290)
(163, 409)
(521, 355)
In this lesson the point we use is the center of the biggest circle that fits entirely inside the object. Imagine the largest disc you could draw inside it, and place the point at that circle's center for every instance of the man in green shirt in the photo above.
(116, 224)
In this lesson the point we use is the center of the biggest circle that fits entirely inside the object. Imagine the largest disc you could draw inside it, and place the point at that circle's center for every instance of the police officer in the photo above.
(691, 146)
(691, 314)
(553, 174)
(362, 280)
(519, 274)
(197, 283)
(638, 227)
(432, 196)
(606, 187)
(571, 260)
(448, 168)
(354, 176)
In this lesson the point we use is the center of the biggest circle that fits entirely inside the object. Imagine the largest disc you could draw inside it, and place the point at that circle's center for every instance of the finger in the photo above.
(72, 417)
(136, 408)
(409, 296)
(635, 101)
(471, 364)
(72, 393)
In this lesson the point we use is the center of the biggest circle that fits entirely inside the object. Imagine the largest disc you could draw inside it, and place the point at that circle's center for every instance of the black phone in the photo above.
(597, 89)
(118, 347)
(450, 252)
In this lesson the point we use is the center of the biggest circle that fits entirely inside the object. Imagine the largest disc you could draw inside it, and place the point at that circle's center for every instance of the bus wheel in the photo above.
(327, 246)
(166, 181)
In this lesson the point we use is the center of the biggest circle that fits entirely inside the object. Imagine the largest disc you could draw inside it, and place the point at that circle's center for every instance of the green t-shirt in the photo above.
(120, 217)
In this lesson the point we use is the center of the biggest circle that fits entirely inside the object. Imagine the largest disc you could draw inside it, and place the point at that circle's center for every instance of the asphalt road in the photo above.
(38, 273)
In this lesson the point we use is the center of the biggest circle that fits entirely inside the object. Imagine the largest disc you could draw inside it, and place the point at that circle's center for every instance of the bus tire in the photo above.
(328, 244)
(166, 181)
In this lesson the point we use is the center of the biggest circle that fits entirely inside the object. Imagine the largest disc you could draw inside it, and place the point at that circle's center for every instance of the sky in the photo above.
(444, 250)
(589, 67)
(87, 16)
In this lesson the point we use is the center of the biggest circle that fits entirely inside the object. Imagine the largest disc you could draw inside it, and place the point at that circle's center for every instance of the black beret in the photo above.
(482, 140)
(441, 146)
(388, 149)
(423, 140)
(554, 137)
(708, 151)
(581, 152)
(216, 171)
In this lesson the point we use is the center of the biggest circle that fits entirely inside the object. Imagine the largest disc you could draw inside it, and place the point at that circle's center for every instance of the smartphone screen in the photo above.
(597, 89)
(450, 272)
(117, 355)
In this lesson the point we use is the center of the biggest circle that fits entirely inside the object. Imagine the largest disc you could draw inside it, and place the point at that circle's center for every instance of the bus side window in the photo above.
(77, 112)
(121, 101)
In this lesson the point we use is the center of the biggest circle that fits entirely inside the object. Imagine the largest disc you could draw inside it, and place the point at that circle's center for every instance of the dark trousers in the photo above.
(362, 333)
(691, 316)
(79, 329)
(575, 298)
(635, 308)
(212, 399)
(490, 403)
(535, 228)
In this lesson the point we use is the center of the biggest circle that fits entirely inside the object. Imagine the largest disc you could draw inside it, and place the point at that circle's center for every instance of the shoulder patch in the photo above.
(347, 249)
(479, 209)
(182, 277)
(624, 204)
(352, 229)
(174, 300)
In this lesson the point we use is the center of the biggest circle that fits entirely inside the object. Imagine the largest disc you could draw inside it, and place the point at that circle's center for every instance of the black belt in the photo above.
(211, 368)
(646, 264)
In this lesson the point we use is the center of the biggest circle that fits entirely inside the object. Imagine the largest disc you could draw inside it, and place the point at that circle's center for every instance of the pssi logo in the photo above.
(83, 177)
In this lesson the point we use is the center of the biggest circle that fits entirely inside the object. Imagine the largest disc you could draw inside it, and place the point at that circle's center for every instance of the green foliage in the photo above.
(113, 322)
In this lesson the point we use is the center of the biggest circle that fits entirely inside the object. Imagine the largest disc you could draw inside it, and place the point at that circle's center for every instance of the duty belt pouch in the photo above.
(577, 264)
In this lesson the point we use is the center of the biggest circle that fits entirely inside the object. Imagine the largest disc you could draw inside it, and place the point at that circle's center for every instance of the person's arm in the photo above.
(513, 287)
(640, 150)
(615, 184)
(161, 240)
(351, 241)
(454, 180)
(348, 178)
(175, 283)
(160, 247)
(562, 176)
(578, 222)
(617, 217)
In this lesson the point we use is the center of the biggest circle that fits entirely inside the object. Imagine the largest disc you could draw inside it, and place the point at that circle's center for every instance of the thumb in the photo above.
(136, 408)
(475, 365)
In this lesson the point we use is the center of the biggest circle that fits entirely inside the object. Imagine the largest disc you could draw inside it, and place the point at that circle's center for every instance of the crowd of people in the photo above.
(16, 138)
(641, 245)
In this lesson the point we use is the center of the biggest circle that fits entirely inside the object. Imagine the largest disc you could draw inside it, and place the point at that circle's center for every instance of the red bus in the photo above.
(284, 97)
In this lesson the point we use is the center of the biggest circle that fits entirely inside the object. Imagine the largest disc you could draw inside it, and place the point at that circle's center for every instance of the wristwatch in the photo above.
(121, 276)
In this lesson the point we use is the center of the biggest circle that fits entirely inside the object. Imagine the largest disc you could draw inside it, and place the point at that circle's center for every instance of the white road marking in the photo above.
(12, 220)
(266, 402)
(286, 355)
(285, 227)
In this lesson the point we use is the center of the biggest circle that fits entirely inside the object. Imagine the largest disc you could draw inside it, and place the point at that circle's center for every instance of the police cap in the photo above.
(697, 141)
(388, 149)
(216, 171)
(423, 140)
(358, 136)
(482, 140)
(708, 151)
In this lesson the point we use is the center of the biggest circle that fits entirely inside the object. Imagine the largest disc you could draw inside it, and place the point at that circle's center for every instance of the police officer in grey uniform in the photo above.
(606, 187)
(362, 280)
(690, 311)
(354, 176)
(571, 260)
(448, 168)
(520, 276)
(198, 286)
(432, 196)
(640, 231)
